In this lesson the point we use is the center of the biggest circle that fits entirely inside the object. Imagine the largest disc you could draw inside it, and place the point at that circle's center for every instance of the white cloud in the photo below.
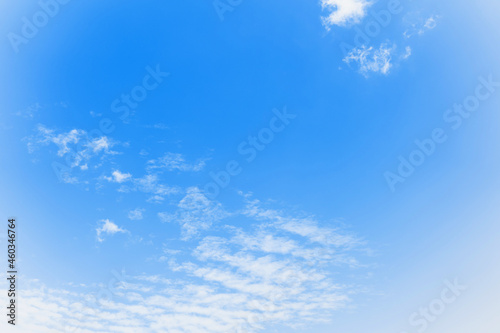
(156, 199)
(407, 53)
(68, 178)
(171, 162)
(276, 269)
(431, 22)
(100, 144)
(372, 60)
(136, 214)
(64, 139)
(30, 111)
(195, 212)
(109, 228)
(418, 25)
(305, 226)
(75, 143)
(119, 177)
(149, 184)
(161, 126)
(344, 12)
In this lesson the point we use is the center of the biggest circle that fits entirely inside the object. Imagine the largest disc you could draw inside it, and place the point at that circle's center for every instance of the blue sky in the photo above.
(250, 165)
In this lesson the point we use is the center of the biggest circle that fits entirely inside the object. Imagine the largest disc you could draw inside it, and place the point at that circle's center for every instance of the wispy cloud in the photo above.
(151, 184)
(369, 59)
(30, 111)
(195, 212)
(67, 178)
(407, 53)
(372, 60)
(279, 268)
(107, 227)
(173, 162)
(344, 12)
(94, 114)
(102, 144)
(76, 141)
(304, 226)
(148, 184)
(159, 126)
(136, 214)
(417, 25)
(156, 199)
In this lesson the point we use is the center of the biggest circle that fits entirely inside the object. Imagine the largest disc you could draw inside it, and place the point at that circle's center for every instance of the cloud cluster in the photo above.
(277, 269)
(76, 147)
(369, 59)
(366, 57)
(76, 141)
(376, 60)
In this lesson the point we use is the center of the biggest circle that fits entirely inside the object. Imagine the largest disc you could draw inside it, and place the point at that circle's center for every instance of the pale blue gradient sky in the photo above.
(225, 79)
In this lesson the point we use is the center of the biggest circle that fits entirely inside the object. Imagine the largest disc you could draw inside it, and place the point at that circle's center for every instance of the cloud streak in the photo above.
(175, 162)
